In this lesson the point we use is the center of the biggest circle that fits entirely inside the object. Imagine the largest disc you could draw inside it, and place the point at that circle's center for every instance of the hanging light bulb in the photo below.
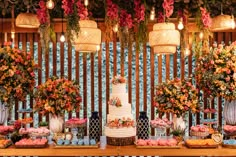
(115, 28)
(86, 2)
(180, 25)
(232, 22)
(200, 35)
(152, 14)
(50, 4)
(186, 52)
(98, 47)
(12, 35)
(62, 38)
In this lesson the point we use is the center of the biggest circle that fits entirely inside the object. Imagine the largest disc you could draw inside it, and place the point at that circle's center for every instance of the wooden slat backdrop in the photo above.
(171, 62)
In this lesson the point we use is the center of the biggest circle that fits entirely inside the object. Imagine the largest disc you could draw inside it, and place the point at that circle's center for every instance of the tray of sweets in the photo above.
(201, 143)
(158, 147)
(5, 143)
(76, 146)
(32, 146)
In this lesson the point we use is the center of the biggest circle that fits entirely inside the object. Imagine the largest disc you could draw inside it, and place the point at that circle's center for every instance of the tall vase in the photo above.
(94, 126)
(143, 126)
(56, 123)
(229, 112)
(4, 112)
(179, 122)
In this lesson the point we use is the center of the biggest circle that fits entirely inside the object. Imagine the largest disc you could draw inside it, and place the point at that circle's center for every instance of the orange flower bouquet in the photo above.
(176, 96)
(16, 75)
(216, 72)
(56, 96)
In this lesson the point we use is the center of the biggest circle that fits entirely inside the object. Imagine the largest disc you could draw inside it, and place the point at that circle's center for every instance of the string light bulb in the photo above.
(186, 52)
(98, 47)
(50, 4)
(62, 38)
(115, 28)
(232, 22)
(86, 2)
(180, 24)
(200, 35)
(152, 14)
(12, 35)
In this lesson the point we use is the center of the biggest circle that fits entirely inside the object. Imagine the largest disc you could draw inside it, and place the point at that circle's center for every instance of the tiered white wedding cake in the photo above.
(120, 128)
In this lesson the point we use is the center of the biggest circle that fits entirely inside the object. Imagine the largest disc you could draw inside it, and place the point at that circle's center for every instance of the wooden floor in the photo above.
(117, 151)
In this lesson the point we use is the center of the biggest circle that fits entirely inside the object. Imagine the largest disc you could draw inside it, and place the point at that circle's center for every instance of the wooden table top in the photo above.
(117, 151)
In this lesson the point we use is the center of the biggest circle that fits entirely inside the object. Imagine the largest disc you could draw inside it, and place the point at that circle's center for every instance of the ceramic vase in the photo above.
(56, 123)
(4, 113)
(94, 126)
(143, 126)
(229, 112)
(178, 122)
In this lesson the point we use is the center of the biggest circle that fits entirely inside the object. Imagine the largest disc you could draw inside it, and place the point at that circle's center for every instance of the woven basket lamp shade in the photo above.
(27, 20)
(89, 37)
(164, 38)
(222, 22)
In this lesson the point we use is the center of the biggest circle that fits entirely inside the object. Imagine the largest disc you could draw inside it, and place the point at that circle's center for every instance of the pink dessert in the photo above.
(38, 131)
(158, 142)
(229, 128)
(161, 123)
(76, 121)
(200, 128)
(6, 129)
(31, 142)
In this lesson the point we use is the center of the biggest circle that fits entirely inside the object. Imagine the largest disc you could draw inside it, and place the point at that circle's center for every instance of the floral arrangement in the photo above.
(115, 101)
(127, 20)
(74, 10)
(216, 72)
(168, 6)
(118, 79)
(121, 122)
(45, 29)
(16, 75)
(56, 96)
(176, 97)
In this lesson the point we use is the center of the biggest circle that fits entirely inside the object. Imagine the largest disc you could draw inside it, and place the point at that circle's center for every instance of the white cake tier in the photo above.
(122, 96)
(120, 132)
(119, 88)
(123, 110)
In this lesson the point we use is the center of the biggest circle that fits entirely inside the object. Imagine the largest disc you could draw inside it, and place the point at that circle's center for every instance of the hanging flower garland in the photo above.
(168, 7)
(70, 12)
(132, 23)
(204, 23)
(45, 29)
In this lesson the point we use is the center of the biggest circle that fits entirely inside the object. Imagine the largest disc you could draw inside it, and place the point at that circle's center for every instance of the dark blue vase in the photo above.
(143, 126)
(94, 126)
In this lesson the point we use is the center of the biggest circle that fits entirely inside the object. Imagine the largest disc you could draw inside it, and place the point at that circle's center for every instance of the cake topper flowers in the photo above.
(118, 79)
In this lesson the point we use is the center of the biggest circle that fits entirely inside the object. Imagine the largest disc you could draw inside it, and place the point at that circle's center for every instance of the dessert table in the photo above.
(118, 151)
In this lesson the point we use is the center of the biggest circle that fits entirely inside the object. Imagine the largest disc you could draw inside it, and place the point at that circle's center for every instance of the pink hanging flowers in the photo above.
(139, 11)
(205, 18)
(168, 7)
(67, 5)
(112, 10)
(82, 11)
(125, 19)
(42, 13)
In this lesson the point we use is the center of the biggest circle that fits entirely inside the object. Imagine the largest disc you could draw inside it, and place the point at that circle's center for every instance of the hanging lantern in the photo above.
(89, 37)
(164, 38)
(27, 20)
(222, 23)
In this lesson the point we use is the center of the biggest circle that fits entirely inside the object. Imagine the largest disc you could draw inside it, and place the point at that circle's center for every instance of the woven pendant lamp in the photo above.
(89, 37)
(222, 23)
(164, 38)
(27, 20)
